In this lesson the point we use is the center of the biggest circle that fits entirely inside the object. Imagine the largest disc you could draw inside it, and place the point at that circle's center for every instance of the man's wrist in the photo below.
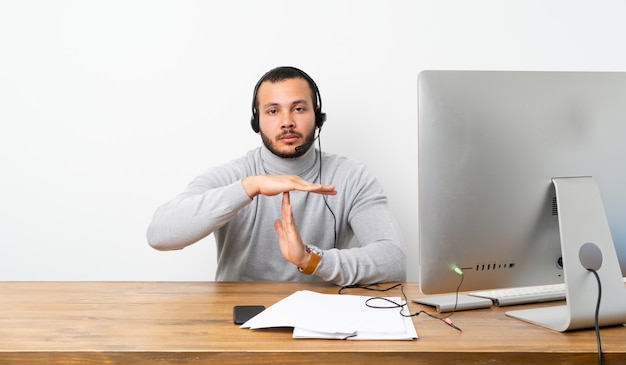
(249, 186)
(315, 256)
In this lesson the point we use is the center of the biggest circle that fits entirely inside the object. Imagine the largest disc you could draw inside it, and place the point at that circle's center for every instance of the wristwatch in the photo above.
(316, 256)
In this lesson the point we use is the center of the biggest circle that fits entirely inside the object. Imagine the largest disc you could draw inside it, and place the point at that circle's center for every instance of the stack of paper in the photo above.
(336, 316)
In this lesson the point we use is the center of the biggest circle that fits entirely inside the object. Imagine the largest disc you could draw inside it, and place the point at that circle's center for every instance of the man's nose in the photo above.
(287, 121)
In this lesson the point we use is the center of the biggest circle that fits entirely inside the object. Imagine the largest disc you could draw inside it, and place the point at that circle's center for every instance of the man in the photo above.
(274, 212)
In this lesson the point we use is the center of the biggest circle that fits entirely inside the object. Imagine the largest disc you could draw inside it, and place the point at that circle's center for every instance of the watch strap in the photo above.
(313, 262)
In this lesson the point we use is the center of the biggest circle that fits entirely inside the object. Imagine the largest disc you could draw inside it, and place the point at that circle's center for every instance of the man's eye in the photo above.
(272, 111)
(300, 109)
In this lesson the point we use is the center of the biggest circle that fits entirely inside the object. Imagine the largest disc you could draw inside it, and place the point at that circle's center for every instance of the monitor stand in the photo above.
(586, 242)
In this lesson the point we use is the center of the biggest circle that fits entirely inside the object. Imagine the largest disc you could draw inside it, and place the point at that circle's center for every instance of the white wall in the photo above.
(108, 108)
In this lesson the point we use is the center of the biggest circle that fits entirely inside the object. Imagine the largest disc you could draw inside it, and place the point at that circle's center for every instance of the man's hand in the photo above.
(275, 184)
(289, 238)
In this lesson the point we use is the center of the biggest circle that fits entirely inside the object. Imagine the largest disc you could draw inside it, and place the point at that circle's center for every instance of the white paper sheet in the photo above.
(335, 316)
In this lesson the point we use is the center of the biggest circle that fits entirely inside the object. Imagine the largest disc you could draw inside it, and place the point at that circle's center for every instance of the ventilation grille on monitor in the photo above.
(491, 266)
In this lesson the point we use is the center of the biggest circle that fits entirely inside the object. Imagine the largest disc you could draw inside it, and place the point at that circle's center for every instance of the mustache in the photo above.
(289, 132)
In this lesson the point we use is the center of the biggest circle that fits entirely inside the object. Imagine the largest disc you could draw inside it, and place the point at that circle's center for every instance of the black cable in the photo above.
(368, 287)
(456, 298)
(597, 316)
(444, 319)
(319, 144)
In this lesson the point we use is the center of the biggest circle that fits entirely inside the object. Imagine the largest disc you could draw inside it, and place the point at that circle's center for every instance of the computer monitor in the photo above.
(522, 181)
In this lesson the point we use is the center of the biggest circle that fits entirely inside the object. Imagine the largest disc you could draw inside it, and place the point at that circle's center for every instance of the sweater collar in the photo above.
(275, 165)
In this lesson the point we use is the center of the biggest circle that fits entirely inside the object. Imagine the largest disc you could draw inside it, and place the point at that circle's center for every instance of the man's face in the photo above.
(286, 116)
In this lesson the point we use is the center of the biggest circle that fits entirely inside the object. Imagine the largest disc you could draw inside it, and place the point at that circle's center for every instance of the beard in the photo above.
(292, 153)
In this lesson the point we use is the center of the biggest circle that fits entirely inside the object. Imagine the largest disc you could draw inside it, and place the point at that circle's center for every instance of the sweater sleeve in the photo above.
(205, 206)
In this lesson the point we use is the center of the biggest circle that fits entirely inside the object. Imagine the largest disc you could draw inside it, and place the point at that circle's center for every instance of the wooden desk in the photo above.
(191, 323)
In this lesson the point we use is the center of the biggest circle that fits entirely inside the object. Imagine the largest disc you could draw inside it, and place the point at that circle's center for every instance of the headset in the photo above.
(320, 117)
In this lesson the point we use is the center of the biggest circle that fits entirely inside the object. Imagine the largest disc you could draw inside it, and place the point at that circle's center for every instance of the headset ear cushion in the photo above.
(254, 122)
(320, 118)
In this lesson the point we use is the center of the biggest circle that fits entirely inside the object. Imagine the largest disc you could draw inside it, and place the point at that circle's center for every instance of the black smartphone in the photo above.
(242, 313)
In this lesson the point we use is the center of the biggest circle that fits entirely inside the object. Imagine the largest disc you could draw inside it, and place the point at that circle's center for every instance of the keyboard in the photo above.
(523, 295)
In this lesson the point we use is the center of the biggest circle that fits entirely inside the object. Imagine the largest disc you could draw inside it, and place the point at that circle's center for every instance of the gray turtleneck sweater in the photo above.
(247, 244)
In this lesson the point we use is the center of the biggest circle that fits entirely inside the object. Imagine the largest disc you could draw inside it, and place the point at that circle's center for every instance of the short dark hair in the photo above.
(286, 73)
